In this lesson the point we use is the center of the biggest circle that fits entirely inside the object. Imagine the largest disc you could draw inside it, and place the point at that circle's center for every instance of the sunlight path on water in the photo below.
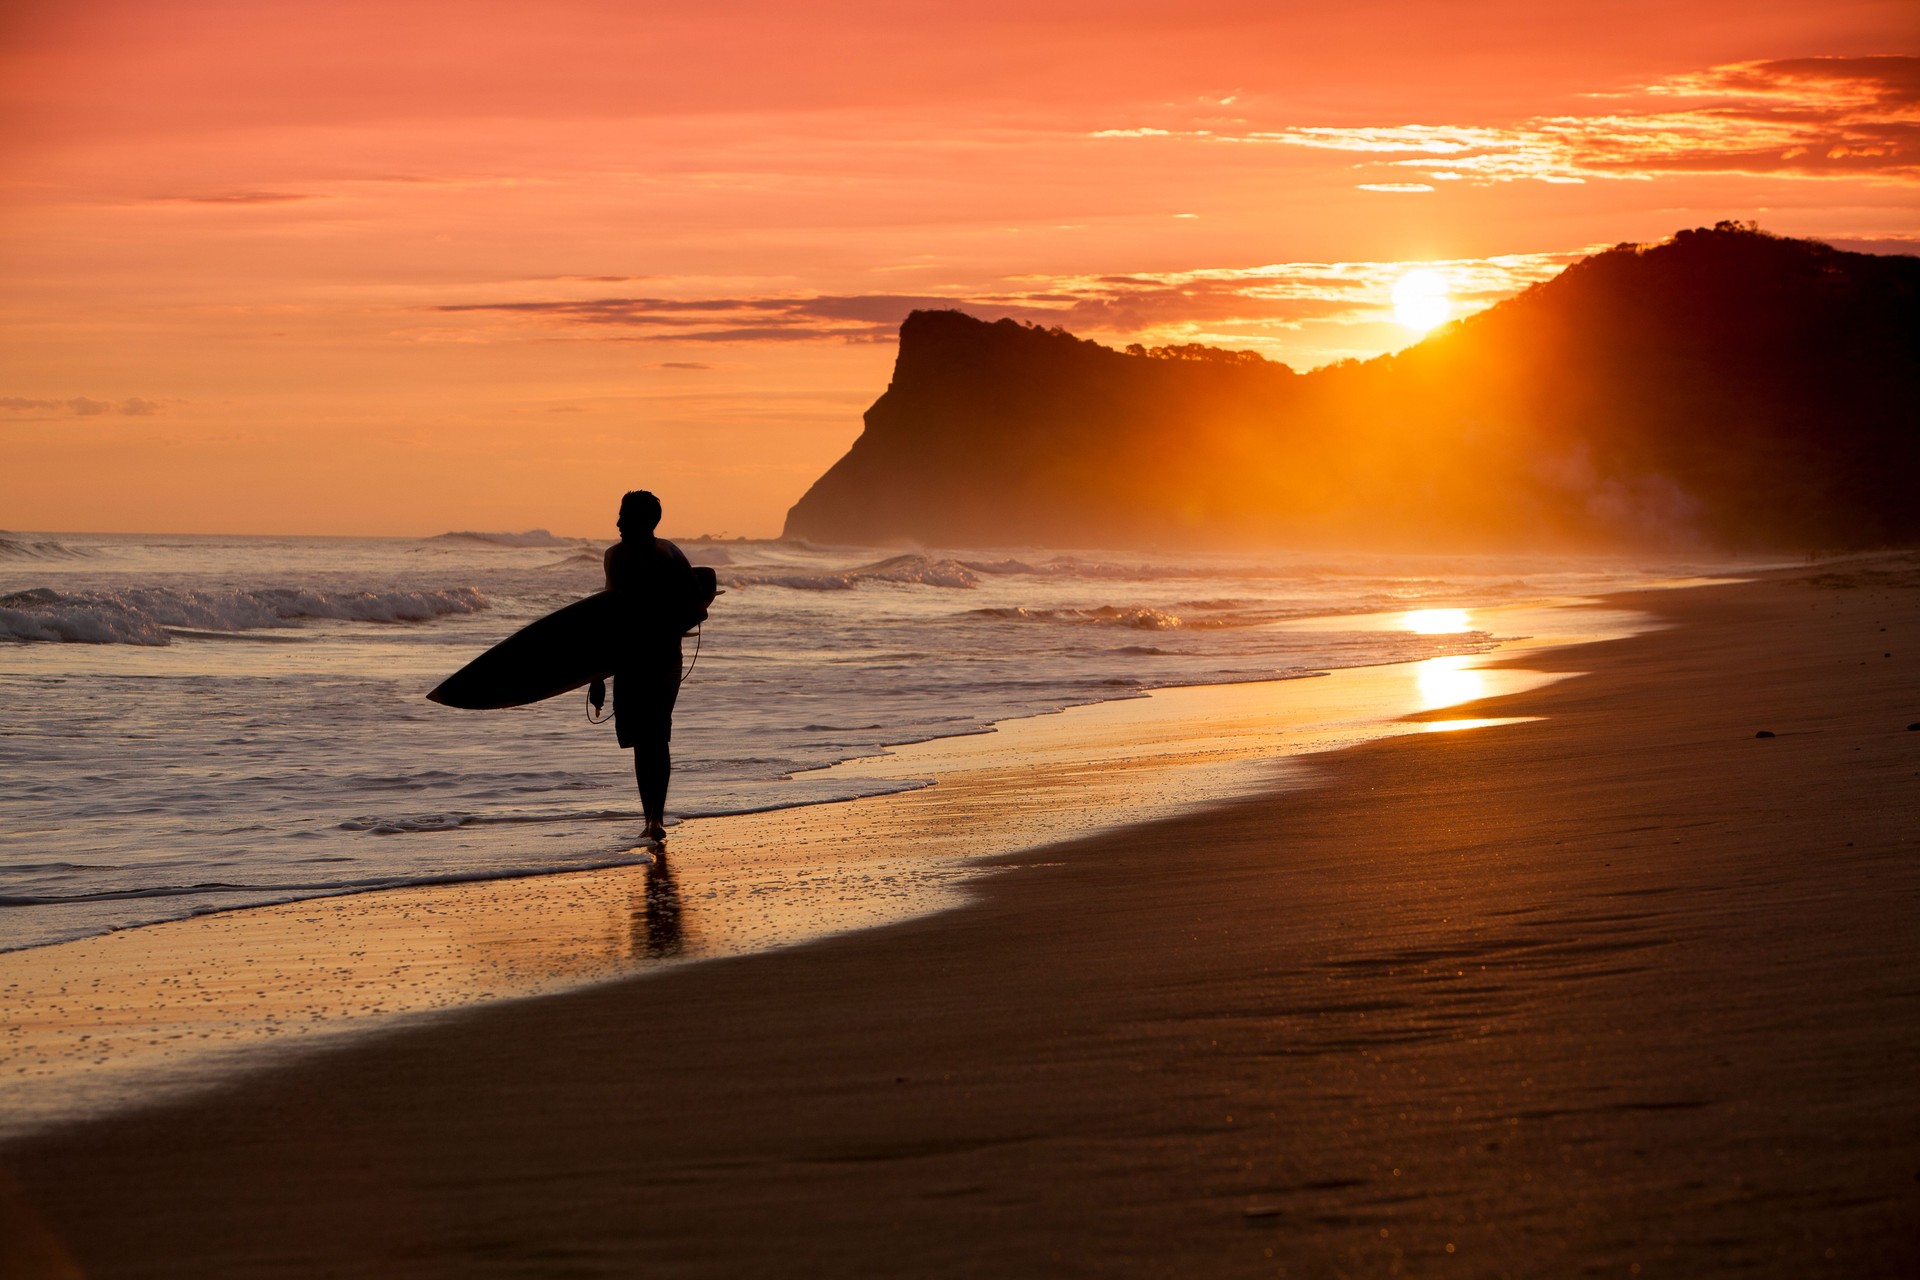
(110, 1021)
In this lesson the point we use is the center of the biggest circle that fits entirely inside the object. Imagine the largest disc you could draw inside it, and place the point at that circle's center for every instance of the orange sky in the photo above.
(405, 267)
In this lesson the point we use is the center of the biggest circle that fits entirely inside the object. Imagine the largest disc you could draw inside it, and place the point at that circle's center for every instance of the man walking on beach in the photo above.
(661, 599)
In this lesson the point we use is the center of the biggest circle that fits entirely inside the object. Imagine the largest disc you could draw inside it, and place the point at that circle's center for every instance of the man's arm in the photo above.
(597, 691)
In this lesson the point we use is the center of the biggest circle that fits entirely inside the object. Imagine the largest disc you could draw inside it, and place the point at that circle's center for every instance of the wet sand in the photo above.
(1623, 990)
(132, 1017)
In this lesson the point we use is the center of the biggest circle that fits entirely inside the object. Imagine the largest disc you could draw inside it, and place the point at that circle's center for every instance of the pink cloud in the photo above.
(242, 197)
(1802, 117)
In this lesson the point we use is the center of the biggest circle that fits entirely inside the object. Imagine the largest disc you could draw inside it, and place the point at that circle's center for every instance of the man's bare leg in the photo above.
(652, 766)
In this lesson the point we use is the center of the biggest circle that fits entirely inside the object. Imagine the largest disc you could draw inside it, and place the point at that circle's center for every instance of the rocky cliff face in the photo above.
(1726, 386)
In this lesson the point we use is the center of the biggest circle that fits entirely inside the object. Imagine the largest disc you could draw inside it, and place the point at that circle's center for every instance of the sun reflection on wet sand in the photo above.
(1449, 681)
(121, 1018)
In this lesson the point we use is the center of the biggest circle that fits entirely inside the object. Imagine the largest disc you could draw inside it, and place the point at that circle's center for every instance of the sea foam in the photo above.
(150, 615)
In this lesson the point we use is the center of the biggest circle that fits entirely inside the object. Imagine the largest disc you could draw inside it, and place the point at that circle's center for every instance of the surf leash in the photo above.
(593, 706)
(696, 655)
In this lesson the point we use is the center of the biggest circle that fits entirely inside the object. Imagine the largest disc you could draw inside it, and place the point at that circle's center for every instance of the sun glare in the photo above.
(1436, 622)
(1420, 299)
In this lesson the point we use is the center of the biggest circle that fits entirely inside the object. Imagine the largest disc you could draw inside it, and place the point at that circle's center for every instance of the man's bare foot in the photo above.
(656, 833)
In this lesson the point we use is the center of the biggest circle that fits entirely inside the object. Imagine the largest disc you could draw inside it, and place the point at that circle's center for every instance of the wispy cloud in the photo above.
(1897, 242)
(78, 407)
(1278, 296)
(240, 197)
(1799, 117)
(1252, 305)
(850, 318)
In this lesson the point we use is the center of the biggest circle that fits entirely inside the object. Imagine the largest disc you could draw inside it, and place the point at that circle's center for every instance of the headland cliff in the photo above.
(1726, 388)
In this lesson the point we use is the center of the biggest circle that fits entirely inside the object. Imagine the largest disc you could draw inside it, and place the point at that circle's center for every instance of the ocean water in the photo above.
(193, 724)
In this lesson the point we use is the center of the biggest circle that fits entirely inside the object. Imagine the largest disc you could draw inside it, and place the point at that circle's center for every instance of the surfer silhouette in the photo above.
(660, 601)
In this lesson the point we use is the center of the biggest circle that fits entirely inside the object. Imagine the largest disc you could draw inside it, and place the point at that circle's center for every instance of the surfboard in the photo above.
(544, 659)
(568, 648)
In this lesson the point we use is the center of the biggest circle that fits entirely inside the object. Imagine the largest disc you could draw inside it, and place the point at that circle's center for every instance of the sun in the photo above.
(1420, 299)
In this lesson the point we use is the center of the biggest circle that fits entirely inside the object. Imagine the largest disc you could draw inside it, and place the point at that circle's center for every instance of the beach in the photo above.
(1615, 987)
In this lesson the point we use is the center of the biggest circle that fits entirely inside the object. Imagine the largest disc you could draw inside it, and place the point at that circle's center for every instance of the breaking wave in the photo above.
(153, 615)
(591, 556)
(1139, 619)
(906, 570)
(531, 538)
(22, 549)
(1077, 567)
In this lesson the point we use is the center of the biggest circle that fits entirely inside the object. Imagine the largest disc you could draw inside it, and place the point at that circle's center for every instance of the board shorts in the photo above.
(644, 691)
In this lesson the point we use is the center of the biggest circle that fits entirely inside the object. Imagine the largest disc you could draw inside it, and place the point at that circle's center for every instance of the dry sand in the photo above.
(1625, 990)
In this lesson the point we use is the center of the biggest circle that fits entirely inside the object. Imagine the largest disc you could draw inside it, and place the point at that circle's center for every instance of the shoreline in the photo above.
(175, 1006)
(1617, 987)
(334, 790)
(181, 1004)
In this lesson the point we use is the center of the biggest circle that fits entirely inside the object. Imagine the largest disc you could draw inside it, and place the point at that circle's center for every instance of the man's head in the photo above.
(639, 513)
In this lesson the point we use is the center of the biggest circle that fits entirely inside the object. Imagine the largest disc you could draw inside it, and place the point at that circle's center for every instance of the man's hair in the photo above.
(640, 510)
